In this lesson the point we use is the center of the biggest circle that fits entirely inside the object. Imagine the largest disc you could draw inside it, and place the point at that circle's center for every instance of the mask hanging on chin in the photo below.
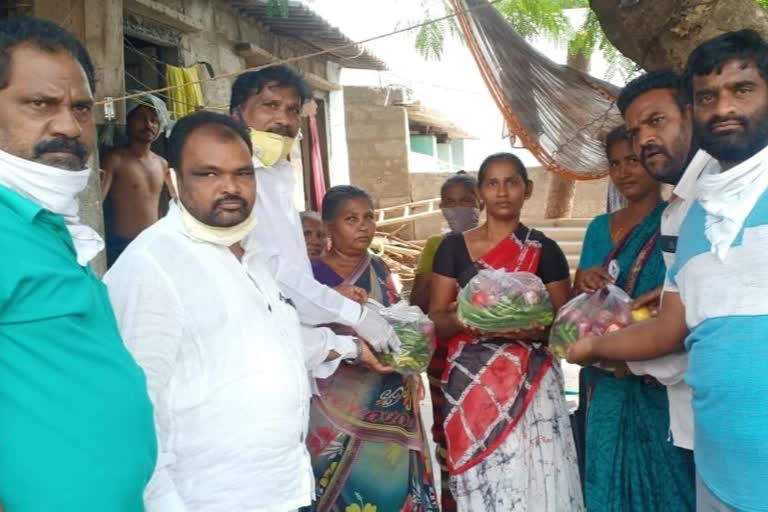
(461, 218)
(270, 147)
(225, 237)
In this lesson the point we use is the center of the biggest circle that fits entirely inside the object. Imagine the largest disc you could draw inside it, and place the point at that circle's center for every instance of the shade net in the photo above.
(560, 114)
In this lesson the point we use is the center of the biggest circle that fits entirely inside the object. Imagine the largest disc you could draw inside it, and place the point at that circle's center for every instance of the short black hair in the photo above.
(710, 56)
(336, 197)
(460, 178)
(188, 124)
(661, 79)
(502, 157)
(41, 34)
(618, 134)
(252, 82)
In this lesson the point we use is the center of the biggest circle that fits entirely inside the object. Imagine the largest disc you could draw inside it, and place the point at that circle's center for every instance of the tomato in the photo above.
(479, 299)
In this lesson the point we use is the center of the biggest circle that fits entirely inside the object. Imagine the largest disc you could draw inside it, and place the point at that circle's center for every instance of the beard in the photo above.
(734, 146)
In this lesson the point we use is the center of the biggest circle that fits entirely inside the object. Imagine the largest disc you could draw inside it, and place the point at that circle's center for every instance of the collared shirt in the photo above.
(670, 369)
(278, 239)
(76, 430)
(223, 354)
(726, 310)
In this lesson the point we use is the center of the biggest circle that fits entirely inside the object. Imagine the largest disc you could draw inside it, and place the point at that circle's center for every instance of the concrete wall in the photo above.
(377, 142)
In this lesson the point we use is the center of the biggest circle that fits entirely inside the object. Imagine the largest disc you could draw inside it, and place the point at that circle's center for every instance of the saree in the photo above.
(366, 439)
(630, 463)
(509, 442)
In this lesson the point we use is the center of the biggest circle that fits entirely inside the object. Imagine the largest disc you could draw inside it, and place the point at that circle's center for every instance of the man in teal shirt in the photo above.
(76, 426)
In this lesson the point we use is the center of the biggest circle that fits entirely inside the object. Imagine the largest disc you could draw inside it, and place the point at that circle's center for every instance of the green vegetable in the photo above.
(416, 350)
(509, 313)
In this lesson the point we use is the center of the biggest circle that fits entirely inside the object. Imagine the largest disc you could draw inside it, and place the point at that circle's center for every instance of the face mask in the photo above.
(269, 147)
(212, 234)
(55, 190)
(462, 218)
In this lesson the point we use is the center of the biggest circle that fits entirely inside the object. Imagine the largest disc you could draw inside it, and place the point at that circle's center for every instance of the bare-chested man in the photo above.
(133, 178)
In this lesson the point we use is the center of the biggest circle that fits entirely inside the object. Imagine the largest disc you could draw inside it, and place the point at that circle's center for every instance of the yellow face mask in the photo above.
(269, 147)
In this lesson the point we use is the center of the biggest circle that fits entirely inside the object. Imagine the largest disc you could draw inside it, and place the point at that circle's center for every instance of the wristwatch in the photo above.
(358, 344)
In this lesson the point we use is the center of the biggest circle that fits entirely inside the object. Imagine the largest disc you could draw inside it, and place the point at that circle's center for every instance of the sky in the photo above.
(452, 85)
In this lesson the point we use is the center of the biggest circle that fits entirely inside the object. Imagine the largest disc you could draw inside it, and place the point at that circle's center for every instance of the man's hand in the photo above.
(650, 300)
(377, 331)
(589, 281)
(354, 293)
(581, 352)
(369, 359)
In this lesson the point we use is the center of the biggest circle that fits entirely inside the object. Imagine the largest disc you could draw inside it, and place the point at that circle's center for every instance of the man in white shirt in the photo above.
(662, 132)
(269, 103)
(222, 348)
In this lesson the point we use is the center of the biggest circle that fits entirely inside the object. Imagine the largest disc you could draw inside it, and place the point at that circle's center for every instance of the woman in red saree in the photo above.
(510, 446)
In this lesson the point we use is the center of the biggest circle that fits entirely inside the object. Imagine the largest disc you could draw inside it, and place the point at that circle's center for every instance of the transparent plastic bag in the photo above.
(597, 313)
(417, 337)
(499, 301)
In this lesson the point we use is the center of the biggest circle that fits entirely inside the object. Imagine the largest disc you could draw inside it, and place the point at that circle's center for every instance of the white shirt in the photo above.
(225, 365)
(279, 242)
(670, 369)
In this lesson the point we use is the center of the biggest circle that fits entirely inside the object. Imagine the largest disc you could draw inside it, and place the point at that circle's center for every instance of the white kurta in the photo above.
(222, 352)
(670, 369)
(279, 241)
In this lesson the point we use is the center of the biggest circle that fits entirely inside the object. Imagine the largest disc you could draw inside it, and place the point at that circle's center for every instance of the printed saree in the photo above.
(366, 438)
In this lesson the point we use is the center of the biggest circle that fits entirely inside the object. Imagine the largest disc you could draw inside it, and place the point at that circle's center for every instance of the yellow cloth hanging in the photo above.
(186, 95)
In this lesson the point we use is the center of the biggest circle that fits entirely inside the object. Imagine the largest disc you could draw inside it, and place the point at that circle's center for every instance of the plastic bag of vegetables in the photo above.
(499, 301)
(417, 337)
(597, 313)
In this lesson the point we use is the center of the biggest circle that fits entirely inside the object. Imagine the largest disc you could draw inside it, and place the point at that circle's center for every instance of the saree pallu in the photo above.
(366, 438)
(630, 463)
(506, 424)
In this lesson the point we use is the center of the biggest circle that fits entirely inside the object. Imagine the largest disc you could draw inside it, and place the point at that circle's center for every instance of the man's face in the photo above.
(275, 109)
(45, 111)
(661, 133)
(730, 108)
(143, 124)
(216, 181)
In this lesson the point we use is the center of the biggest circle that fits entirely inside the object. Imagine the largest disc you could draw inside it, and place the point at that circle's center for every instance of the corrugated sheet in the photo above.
(304, 24)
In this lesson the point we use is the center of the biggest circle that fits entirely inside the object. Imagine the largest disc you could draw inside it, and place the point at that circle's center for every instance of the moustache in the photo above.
(653, 148)
(743, 121)
(229, 199)
(285, 131)
(62, 145)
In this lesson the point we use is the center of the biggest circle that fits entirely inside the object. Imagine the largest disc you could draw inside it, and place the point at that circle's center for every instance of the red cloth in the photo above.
(316, 164)
(488, 383)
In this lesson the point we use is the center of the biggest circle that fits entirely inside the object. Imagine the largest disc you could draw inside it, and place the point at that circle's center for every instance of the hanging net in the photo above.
(559, 114)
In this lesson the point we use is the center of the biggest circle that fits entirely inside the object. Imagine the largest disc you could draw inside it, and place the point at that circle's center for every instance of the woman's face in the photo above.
(353, 228)
(316, 237)
(503, 190)
(628, 174)
(458, 195)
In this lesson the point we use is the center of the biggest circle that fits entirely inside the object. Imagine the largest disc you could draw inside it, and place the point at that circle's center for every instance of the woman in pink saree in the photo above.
(510, 446)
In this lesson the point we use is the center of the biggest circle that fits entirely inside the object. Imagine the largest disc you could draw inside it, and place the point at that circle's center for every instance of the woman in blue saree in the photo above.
(630, 463)
(366, 438)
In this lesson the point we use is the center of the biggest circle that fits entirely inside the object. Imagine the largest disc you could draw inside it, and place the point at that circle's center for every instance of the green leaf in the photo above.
(278, 7)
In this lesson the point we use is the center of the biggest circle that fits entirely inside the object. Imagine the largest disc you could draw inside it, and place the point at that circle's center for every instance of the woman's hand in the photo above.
(589, 281)
(368, 359)
(581, 352)
(354, 293)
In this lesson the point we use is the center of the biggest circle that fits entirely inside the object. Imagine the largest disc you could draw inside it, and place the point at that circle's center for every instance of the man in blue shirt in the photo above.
(76, 426)
(720, 313)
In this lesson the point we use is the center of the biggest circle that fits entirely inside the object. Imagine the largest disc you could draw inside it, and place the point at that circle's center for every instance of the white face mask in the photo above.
(212, 234)
(55, 190)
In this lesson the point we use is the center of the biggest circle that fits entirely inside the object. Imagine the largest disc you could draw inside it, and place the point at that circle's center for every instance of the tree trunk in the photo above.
(659, 34)
(562, 190)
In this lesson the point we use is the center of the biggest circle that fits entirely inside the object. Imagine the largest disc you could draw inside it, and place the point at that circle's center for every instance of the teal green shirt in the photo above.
(76, 425)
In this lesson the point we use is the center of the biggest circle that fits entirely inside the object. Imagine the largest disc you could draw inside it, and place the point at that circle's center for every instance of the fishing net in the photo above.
(559, 114)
